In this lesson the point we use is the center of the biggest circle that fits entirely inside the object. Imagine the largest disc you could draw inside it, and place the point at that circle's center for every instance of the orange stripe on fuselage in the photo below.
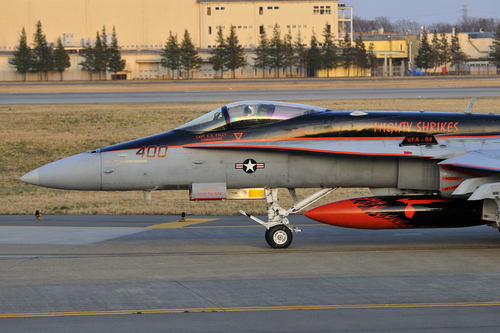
(187, 145)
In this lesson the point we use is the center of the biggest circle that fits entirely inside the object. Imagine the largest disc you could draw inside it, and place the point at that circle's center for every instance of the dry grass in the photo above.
(36, 87)
(32, 135)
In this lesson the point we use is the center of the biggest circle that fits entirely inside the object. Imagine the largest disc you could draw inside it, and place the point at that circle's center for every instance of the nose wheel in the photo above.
(279, 237)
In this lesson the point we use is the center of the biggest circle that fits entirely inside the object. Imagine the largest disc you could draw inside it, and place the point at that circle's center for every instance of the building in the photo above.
(397, 52)
(144, 25)
(394, 51)
(476, 45)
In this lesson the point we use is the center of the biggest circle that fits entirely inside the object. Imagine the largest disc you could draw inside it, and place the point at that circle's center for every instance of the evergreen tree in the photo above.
(360, 54)
(288, 52)
(313, 57)
(235, 54)
(218, 54)
(87, 53)
(457, 57)
(105, 51)
(61, 58)
(104, 42)
(171, 54)
(23, 56)
(495, 48)
(276, 56)
(436, 47)
(261, 59)
(115, 62)
(189, 58)
(100, 57)
(348, 54)
(43, 61)
(329, 54)
(300, 55)
(424, 58)
(444, 50)
(372, 59)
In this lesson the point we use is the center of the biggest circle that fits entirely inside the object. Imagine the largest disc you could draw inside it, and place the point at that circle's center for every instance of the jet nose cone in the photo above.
(31, 178)
(78, 172)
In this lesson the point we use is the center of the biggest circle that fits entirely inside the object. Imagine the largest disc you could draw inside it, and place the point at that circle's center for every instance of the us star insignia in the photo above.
(249, 165)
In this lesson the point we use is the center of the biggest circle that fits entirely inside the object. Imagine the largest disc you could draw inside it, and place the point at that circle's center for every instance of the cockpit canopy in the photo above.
(242, 115)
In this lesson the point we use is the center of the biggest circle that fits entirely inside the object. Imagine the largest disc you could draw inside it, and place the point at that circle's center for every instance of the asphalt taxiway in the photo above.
(216, 274)
(236, 95)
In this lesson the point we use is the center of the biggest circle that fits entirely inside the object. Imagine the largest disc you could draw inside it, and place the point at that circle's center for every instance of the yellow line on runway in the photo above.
(188, 224)
(252, 308)
(65, 227)
(180, 224)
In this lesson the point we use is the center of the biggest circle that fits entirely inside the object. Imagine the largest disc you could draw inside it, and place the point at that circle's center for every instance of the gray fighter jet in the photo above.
(425, 169)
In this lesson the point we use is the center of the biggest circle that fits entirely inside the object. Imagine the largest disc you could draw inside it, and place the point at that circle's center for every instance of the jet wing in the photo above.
(365, 147)
(480, 159)
(479, 188)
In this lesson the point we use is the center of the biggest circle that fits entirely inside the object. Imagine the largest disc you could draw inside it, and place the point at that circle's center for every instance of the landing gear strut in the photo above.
(279, 230)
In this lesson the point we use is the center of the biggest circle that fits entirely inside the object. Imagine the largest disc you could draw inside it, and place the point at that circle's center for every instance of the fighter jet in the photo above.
(425, 169)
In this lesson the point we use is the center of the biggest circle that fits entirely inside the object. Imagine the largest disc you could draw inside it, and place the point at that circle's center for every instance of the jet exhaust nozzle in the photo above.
(392, 212)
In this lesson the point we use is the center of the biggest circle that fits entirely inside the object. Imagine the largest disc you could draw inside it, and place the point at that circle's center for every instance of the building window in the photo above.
(270, 7)
(209, 11)
(322, 10)
(276, 7)
(328, 28)
(209, 30)
(261, 29)
(261, 10)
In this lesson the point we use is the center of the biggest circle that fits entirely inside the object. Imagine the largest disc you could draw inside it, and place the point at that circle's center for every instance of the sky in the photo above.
(424, 11)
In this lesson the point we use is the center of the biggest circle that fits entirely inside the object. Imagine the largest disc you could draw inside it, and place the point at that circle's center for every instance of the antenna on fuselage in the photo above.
(470, 107)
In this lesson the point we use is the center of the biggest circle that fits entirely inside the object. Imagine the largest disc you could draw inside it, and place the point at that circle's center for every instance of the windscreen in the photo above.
(243, 115)
(212, 121)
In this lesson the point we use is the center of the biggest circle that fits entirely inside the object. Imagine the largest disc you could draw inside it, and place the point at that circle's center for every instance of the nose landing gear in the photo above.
(279, 233)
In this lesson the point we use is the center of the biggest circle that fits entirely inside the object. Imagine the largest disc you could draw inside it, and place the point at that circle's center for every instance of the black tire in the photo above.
(279, 237)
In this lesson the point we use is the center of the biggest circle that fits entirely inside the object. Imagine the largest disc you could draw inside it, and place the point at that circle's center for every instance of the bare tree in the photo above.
(440, 27)
(405, 25)
(385, 23)
(363, 25)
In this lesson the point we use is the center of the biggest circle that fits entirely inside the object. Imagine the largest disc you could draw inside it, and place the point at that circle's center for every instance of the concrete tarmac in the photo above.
(217, 274)
(237, 95)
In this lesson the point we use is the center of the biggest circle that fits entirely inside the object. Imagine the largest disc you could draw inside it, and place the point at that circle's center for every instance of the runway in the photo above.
(216, 274)
(236, 95)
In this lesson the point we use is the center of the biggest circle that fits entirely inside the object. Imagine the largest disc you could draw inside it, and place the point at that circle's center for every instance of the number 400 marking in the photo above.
(153, 151)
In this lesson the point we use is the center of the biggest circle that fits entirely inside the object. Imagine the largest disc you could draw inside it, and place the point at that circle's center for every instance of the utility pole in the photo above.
(465, 14)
